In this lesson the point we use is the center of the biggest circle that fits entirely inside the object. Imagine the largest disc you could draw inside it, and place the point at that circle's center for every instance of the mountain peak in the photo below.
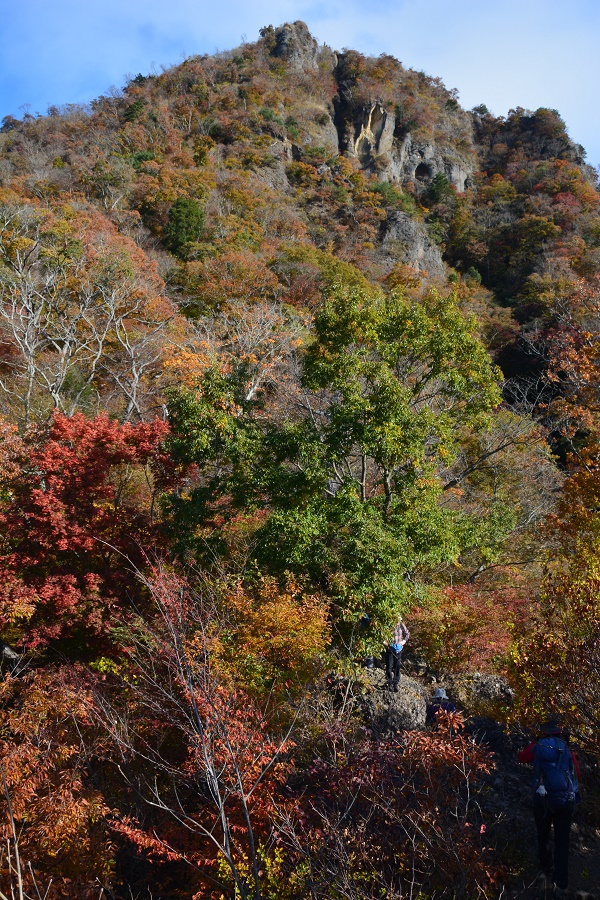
(294, 43)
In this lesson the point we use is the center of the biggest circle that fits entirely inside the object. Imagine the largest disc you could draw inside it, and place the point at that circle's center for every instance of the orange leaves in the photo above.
(406, 808)
(277, 634)
(155, 849)
(575, 367)
(576, 524)
(233, 276)
(471, 627)
(11, 447)
(555, 664)
(185, 367)
(575, 357)
(447, 754)
(205, 754)
(83, 314)
(44, 763)
(561, 177)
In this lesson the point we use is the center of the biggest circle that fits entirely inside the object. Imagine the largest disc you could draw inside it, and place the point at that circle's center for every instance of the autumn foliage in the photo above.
(76, 519)
(58, 819)
(243, 431)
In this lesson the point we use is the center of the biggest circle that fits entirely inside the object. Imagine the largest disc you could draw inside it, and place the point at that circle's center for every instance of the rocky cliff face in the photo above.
(296, 45)
(405, 239)
(370, 135)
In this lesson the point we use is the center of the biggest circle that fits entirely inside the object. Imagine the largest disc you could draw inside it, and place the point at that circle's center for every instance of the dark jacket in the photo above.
(435, 706)
(527, 755)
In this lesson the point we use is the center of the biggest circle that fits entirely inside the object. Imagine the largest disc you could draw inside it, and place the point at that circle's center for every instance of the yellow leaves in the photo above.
(303, 173)
(104, 665)
(20, 610)
(16, 247)
(279, 630)
(187, 366)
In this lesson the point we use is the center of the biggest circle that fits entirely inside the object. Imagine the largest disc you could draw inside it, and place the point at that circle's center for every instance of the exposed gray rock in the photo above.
(479, 690)
(274, 175)
(10, 660)
(297, 46)
(369, 136)
(388, 712)
(421, 161)
(373, 134)
(320, 127)
(406, 240)
(368, 133)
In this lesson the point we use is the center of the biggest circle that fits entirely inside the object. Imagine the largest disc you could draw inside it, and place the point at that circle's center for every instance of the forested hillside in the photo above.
(291, 346)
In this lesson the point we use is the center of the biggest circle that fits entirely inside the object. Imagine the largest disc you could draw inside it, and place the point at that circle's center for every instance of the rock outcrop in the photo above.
(375, 136)
(369, 135)
(421, 161)
(296, 45)
(387, 712)
(480, 691)
(406, 240)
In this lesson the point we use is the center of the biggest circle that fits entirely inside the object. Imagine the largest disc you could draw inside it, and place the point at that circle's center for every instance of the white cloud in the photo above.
(519, 53)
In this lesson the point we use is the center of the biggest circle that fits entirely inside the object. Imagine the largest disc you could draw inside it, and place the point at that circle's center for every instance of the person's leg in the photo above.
(543, 823)
(397, 660)
(562, 818)
(389, 665)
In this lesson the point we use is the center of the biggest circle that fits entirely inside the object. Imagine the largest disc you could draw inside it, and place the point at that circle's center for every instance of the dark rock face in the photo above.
(9, 658)
(297, 46)
(387, 712)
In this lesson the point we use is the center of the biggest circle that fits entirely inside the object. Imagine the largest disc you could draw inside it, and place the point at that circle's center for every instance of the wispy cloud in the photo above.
(519, 53)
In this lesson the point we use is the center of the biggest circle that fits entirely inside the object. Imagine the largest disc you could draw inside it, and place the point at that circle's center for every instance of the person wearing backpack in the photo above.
(556, 792)
(439, 701)
(393, 654)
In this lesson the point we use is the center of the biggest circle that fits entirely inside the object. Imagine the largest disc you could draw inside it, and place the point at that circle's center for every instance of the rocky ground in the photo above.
(507, 798)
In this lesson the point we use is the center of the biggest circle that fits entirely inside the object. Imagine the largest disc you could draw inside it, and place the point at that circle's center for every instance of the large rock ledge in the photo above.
(387, 712)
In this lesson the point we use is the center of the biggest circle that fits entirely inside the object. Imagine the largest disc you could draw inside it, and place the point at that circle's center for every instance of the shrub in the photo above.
(134, 111)
(439, 190)
(186, 224)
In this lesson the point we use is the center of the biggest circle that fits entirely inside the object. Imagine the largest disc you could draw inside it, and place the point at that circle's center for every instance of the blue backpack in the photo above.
(554, 770)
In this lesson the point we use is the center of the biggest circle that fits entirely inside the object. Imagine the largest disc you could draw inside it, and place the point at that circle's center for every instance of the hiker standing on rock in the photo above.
(556, 792)
(393, 654)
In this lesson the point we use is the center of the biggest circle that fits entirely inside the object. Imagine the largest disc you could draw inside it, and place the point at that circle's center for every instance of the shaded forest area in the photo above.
(291, 345)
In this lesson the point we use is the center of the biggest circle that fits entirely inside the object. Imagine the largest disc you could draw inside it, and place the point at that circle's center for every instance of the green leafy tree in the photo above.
(347, 484)
(440, 189)
(185, 225)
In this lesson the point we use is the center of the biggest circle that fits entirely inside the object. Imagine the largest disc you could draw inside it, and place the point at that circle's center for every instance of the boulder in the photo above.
(387, 712)
(10, 660)
(480, 691)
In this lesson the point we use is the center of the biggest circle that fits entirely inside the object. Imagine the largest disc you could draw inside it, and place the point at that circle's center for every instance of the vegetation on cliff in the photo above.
(290, 345)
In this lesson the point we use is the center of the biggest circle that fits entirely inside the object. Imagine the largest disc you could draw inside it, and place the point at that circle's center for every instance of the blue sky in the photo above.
(527, 53)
